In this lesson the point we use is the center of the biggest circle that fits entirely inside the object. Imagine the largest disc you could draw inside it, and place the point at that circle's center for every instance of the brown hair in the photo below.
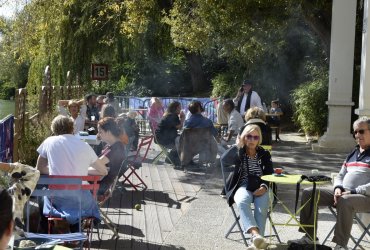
(110, 124)
(62, 125)
(255, 112)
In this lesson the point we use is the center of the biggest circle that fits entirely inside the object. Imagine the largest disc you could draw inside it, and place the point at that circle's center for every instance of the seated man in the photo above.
(235, 122)
(197, 120)
(351, 192)
(65, 154)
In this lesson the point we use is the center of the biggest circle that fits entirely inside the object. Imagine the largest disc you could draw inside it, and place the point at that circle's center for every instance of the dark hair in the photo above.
(247, 81)
(6, 211)
(110, 124)
(171, 109)
(62, 125)
(194, 106)
(108, 111)
(275, 102)
(230, 103)
(89, 96)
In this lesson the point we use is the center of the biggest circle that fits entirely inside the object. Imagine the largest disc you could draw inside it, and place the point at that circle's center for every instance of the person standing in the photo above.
(156, 111)
(247, 98)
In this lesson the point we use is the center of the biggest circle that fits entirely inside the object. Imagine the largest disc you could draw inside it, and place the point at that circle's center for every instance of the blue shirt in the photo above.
(199, 121)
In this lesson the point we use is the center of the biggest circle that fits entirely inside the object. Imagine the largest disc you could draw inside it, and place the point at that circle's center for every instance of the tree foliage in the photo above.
(164, 47)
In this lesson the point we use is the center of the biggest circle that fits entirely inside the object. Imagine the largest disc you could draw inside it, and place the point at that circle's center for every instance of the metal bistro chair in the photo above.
(64, 186)
(145, 143)
(366, 229)
(226, 170)
(105, 199)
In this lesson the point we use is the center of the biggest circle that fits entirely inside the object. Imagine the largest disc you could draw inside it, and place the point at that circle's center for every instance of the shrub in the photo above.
(35, 133)
(310, 109)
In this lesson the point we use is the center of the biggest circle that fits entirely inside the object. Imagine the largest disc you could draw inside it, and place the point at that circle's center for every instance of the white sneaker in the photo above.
(252, 247)
(338, 247)
(304, 240)
(258, 241)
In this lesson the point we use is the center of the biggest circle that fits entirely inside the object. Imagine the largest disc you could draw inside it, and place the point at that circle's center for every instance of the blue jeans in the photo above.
(243, 199)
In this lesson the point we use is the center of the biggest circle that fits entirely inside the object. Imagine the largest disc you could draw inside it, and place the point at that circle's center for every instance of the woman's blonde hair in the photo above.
(255, 112)
(246, 131)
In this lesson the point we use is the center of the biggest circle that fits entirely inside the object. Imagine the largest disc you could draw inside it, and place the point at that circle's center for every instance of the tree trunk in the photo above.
(198, 78)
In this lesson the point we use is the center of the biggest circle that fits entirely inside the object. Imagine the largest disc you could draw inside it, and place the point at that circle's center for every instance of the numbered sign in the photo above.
(99, 71)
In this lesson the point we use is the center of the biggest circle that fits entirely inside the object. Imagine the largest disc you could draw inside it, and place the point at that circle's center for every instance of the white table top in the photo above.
(90, 139)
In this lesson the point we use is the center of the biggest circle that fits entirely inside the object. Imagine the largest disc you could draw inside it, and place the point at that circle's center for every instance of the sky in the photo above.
(8, 7)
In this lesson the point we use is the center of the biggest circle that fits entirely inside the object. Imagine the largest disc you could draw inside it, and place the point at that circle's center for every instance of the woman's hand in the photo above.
(259, 192)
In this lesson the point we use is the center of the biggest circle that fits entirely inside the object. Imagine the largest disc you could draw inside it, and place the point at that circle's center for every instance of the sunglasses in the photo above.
(360, 131)
(252, 137)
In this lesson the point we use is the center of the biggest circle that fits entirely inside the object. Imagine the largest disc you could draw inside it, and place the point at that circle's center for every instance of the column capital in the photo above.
(339, 103)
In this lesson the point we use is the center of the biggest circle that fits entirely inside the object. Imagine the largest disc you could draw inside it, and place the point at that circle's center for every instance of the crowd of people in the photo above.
(240, 145)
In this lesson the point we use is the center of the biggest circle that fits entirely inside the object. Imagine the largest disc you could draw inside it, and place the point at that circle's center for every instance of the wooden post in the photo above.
(19, 121)
(69, 85)
(44, 101)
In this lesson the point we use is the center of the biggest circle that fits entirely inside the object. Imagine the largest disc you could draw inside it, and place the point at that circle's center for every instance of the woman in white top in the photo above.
(76, 111)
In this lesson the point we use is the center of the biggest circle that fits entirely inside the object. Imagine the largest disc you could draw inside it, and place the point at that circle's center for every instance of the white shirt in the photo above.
(255, 101)
(79, 122)
(235, 121)
(67, 155)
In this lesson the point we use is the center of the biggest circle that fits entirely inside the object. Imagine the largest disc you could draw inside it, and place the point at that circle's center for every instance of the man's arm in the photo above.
(42, 165)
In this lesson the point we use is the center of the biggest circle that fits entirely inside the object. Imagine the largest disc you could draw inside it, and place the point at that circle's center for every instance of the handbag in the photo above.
(296, 246)
(313, 179)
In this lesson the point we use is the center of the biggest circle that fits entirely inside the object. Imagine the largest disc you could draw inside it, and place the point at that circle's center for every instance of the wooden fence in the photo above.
(48, 97)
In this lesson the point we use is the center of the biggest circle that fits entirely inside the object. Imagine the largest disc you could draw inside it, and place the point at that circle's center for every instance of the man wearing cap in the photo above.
(247, 98)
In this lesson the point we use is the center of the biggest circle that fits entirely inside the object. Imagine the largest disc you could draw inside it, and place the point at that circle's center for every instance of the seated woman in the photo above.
(76, 111)
(6, 218)
(113, 153)
(166, 133)
(246, 187)
(257, 116)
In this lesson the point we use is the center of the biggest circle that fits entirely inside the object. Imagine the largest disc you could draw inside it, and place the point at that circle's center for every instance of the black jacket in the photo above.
(233, 156)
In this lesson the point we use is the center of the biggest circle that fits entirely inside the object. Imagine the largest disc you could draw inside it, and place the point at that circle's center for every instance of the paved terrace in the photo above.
(184, 210)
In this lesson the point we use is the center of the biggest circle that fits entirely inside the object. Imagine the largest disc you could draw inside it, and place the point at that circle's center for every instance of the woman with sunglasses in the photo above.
(246, 187)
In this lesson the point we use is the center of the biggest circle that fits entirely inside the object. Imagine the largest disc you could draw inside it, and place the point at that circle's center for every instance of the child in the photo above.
(275, 118)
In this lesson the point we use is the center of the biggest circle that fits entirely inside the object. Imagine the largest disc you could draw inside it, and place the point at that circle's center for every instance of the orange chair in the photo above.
(144, 144)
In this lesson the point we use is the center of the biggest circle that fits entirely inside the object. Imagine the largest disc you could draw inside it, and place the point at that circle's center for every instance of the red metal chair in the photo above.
(144, 145)
(64, 186)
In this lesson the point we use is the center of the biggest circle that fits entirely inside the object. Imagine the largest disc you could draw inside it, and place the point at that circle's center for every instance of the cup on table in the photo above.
(278, 171)
(314, 171)
(92, 118)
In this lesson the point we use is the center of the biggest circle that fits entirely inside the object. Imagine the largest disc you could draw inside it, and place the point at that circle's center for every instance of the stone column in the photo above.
(338, 136)
(364, 96)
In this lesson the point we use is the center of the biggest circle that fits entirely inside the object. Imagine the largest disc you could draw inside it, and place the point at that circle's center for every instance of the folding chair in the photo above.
(358, 221)
(145, 143)
(164, 150)
(225, 174)
(195, 141)
(64, 186)
(109, 193)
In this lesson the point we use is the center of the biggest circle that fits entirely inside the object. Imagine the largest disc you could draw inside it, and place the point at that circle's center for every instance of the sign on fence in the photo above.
(99, 71)
(6, 139)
